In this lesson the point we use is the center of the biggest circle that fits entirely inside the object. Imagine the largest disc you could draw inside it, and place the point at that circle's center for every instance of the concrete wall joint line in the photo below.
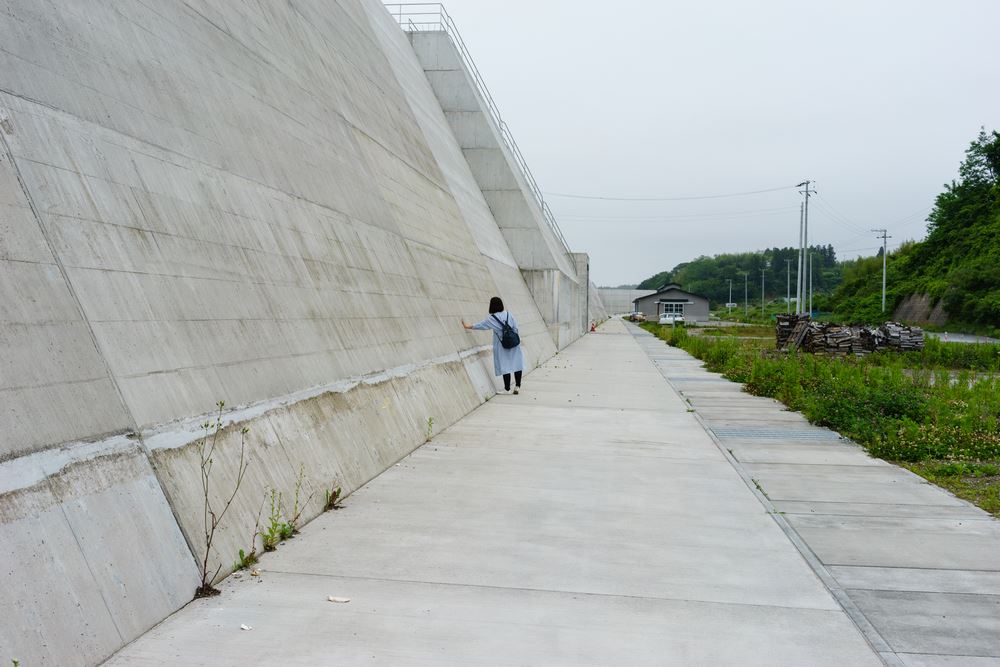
(875, 640)
(181, 433)
(90, 571)
(5, 145)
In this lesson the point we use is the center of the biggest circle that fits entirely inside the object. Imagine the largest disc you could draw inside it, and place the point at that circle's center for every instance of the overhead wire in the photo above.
(836, 217)
(682, 216)
(687, 198)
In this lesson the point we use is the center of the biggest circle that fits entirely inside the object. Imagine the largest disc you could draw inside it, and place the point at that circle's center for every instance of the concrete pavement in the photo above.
(590, 520)
(961, 337)
(917, 568)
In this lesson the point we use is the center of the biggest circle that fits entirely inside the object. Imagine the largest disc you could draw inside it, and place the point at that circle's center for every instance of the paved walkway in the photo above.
(917, 568)
(591, 520)
(961, 338)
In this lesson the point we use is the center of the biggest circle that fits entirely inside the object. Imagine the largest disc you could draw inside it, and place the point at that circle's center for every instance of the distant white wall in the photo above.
(597, 311)
(618, 301)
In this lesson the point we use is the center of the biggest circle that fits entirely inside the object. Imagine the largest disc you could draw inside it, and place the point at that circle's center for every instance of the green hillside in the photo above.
(958, 262)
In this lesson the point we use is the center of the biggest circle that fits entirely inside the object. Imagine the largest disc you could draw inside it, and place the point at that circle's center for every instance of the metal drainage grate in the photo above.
(772, 433)
(697, 378)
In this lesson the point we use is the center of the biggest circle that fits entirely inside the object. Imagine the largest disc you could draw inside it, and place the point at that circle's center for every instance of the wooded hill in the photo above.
(957, 266)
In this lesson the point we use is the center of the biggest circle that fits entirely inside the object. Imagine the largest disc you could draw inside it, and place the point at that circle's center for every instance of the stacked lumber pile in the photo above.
(783, 329)
(800, 333)
(901, 337)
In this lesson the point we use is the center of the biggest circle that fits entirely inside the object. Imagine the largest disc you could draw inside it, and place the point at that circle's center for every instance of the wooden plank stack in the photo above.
(901, 337)
(794, 332)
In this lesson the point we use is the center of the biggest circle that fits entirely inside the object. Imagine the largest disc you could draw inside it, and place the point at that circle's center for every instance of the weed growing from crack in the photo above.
(277, 529)
(245, 560)
(211, 518)
(297, 509)
(332, 499)
(429, 433)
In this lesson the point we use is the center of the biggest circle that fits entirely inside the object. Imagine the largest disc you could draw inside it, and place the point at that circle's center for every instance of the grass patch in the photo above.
(749, 331)
(910, 409)
(979, 484)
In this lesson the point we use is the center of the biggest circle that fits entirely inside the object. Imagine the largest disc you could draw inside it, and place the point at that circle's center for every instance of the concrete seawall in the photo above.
(261, 203)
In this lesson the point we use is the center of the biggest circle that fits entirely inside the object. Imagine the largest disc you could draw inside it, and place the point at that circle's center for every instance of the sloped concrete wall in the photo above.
(549, 269)
(921, 309)
(598, 312)
(255, 202)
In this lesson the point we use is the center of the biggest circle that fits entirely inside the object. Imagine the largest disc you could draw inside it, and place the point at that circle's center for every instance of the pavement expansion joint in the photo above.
(878, 643)
(553, 591)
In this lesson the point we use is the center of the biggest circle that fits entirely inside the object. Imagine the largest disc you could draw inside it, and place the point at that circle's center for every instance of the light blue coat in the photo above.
(504, 361)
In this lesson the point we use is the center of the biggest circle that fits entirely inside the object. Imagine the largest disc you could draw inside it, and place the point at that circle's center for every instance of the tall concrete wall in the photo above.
(549, 269)
(256, 202)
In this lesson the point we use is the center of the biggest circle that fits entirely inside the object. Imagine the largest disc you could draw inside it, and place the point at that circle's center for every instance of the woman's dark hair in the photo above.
(496, 305)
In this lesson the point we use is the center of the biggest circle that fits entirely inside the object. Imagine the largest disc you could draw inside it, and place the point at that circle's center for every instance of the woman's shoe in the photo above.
(516, 389)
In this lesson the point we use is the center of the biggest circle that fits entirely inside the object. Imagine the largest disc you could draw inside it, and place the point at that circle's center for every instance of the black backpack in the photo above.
(508, 337)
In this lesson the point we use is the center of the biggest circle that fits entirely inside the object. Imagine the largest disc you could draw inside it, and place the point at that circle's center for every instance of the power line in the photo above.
(832, 210)
(721, 196)
(921, 213)
(836, 217)
(681, 216)
(892, 248)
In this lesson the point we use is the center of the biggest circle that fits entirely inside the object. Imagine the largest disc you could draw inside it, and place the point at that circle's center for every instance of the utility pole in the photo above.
(746, 303)
(762, 293)
(729, 309)
(788, 286)
(805, 228)
(798, 271)
(810, 284)
(885, 236)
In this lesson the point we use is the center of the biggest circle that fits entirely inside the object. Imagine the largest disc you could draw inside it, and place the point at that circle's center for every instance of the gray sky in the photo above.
(876, 101)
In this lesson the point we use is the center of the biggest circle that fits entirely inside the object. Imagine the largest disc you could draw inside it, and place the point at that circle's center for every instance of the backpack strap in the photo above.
(497, 333)
(505, 323)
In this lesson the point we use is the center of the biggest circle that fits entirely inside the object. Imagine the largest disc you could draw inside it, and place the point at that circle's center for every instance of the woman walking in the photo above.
(506, 360)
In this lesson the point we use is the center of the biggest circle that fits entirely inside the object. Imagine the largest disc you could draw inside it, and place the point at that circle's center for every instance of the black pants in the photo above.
(506, 380)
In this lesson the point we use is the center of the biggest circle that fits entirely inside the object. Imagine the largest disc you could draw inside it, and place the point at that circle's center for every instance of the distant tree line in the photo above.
(709, 276)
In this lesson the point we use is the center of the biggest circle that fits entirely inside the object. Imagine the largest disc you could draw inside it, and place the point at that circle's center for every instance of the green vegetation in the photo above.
(245, 560)
(931, 411)
(709, 276)
(298, 507)
(277, 528)
(748, 331)
(958, 262)
(977, 483)
(332, 499)
(957, 265)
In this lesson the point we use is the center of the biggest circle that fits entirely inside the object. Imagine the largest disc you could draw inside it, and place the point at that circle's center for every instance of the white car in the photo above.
(671, 318)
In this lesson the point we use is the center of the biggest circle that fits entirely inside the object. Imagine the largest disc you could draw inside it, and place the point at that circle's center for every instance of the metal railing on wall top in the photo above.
(432, 16)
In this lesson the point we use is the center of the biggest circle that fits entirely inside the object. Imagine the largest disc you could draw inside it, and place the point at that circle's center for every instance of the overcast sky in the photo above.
(876, 101)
